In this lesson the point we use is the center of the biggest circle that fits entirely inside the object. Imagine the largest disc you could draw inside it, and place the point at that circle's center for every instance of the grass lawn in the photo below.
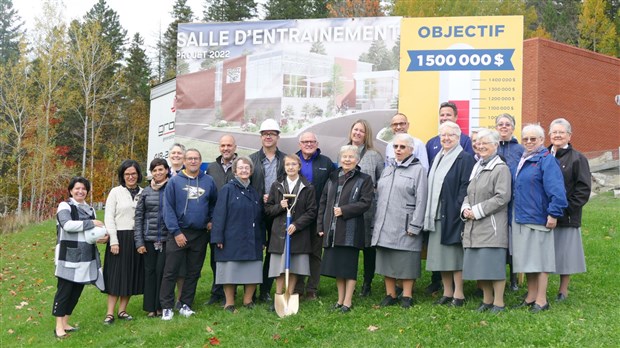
(590, 317)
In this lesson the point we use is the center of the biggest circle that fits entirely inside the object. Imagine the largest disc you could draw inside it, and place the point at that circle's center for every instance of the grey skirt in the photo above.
(300, 265)
(533, 249)
(443, 257)
(484, 264)
(569, 255)
(239, 272)
(399, 264)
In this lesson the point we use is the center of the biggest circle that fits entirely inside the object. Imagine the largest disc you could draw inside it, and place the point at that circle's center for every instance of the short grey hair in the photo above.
(304, 133)
(490, 134)
(509, 117)
(179, 145)
(244, 159)
(453, 126)
(535, 128)
(562, 122)
(348, 148)
(408, 139)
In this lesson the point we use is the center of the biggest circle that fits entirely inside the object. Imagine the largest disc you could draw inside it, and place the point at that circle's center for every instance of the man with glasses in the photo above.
(221, 172)
(268, 167)
(447, 112)
(189, 200)
(316, 169)
(400, 124)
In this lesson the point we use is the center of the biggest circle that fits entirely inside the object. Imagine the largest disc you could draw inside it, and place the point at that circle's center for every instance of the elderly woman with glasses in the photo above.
(399, 219)
(539, 200)
(484, 209)
(347, 195)
(447, 187)
(569, 255)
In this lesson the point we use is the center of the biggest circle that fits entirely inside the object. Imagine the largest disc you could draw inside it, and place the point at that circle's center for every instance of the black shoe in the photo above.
(536, 308)
(61, 337)
(443, 300)
(513, 285)
(457, 302)
(345, 309)
(265, 297)
(497, 309)
(365, 290)
(230, 308)
(249, 305)
(560, 298)
(336, 306)
(215, 299)
(484, 307)
(433, 288)
(406, 302)
(524, 304)
(388, 301)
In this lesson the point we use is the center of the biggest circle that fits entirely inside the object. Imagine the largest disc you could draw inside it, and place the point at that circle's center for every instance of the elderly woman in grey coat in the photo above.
(401, 201)
(484, 210)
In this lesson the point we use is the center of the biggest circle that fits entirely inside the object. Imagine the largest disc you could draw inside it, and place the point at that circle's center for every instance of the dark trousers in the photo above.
(154, 262)
(216, 289)
(194, 254)
(316, 243)
(370, 255)
(265, 287)
(67, 295)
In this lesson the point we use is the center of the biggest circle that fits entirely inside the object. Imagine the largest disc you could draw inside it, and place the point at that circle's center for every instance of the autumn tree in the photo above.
(10, 31)
(181, 13)
(558, 18)
(291, 9)
(355, 8)
(228, 10)
(596, 31)
(380, 57)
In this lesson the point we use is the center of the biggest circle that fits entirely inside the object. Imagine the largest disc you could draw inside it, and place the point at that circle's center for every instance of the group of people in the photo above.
(472, 204)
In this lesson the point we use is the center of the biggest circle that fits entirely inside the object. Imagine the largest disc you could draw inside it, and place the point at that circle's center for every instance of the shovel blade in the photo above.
(293, 305)
(279, 302)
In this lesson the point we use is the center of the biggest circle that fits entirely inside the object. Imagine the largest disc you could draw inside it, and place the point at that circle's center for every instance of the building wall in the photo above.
(580, 85)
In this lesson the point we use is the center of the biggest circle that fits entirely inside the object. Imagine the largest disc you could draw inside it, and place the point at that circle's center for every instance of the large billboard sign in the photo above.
(474, 62)
(316, 75)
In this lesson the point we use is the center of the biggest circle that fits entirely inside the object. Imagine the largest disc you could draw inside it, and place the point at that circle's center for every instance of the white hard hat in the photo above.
(94, 234)
(269, 124)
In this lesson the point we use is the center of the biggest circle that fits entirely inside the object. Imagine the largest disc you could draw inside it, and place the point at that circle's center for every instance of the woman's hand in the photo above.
(337, 211)
(468, 214)
(114, 249)
(265, 198)
(321, 234)
(551, 222)
(103, 239)
(291, 229)
(98, 223)
(142, 250)
(220, 245)
(284, 203)
(181, 240)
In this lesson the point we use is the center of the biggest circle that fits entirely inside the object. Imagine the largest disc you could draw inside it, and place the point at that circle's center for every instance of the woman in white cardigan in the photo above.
(123, 270)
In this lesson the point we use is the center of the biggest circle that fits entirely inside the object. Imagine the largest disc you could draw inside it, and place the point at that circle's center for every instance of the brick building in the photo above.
(580, 85)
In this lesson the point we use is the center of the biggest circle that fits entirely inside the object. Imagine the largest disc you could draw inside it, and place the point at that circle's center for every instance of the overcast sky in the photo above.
(147, 17)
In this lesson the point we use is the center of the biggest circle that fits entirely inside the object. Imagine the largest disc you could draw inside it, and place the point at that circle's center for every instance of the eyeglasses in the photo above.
(558, 133)
(308, 142)
(504, 125)
(399, 124)
(399, 146)
(269, 134)
(192, 159)
(483, 143)
(529, 139)
(244, 168)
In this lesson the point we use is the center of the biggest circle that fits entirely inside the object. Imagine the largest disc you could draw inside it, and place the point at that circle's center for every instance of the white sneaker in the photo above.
(167, 314)
(186, 311)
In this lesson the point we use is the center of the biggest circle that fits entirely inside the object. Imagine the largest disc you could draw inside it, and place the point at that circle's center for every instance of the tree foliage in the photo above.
(596, 31)
(291, 9)
(10, 31)
(181, 13)
(228, 10)
(355, 8)
(380, 57)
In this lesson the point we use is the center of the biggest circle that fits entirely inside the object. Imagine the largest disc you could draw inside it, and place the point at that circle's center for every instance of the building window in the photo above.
(295, 86)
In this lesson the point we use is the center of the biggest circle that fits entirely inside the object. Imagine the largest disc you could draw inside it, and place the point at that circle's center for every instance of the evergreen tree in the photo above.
(228, 10)
(181, 13)
(112, 31)
(138, 71)
(287, 9)
(596, 30)
(10, 31)
(318, 47)
(379, 56)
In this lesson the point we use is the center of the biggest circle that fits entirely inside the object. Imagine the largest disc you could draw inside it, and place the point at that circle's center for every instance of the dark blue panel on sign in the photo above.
(450, 60)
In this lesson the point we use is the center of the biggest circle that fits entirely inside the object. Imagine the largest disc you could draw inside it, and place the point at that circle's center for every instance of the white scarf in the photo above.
(436, 175)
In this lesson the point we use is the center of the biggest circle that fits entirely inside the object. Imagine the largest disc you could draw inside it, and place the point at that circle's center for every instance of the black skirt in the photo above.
(340, 262)
(124, 273)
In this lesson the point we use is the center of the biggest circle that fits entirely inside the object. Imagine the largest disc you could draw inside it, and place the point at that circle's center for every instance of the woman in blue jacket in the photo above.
(539, 200)
(238, 233)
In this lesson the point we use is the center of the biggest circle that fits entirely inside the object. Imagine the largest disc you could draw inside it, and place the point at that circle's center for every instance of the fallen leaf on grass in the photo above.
(276, 337)
(214, 341)
(21, 305)
(29, 318)
(301, 328)
(209, 329)
(372, 328)
(10, 331)
(401, 330)
(12, 293)
(484, 323)
(376, 306)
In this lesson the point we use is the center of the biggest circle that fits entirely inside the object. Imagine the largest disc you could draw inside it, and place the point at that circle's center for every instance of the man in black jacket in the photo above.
(316, 169)
(268, 167)
(221, 172)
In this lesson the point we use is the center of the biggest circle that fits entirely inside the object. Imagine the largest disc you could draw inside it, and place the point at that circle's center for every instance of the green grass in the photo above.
(590, 317)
